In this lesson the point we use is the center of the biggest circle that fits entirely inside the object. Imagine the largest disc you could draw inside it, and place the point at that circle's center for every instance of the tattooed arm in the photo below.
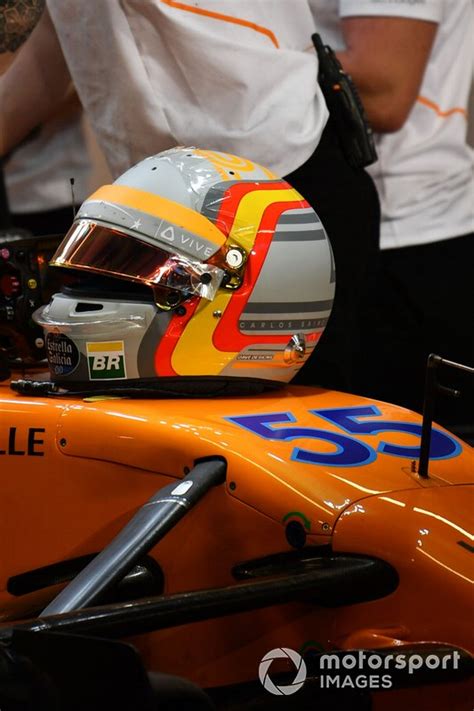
(34, 86)
(17, 20)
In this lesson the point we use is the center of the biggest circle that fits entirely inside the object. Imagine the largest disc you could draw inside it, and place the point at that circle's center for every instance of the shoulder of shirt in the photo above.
(431, 10)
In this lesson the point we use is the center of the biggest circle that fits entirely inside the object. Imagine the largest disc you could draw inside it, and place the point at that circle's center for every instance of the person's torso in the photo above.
(424, 174)
(237, 76)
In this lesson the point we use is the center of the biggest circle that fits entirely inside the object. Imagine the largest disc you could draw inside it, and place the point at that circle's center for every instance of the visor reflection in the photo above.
(103, 250)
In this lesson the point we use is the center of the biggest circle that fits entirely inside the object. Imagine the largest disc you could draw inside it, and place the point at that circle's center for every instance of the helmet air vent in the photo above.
(82, 307)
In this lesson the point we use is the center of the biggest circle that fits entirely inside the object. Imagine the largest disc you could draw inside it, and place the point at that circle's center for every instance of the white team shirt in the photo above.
(230, 75)
(424, 174)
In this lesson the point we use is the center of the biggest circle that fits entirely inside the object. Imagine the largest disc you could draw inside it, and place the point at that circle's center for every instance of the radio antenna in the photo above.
(73, 199)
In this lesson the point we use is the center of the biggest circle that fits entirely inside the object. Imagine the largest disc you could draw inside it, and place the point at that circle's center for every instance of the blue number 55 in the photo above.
(349, 451)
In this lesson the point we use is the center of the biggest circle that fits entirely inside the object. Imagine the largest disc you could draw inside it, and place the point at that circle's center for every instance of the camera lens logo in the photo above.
(282, 653)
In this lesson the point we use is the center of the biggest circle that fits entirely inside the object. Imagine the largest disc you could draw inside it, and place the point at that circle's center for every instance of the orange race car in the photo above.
(170, 504)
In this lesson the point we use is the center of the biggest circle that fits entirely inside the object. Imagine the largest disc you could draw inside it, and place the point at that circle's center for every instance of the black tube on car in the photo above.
(149, 525)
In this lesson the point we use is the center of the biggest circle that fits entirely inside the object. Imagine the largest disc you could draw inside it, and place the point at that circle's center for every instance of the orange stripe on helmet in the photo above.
(160, 207)
(223, 18)
(223, 162)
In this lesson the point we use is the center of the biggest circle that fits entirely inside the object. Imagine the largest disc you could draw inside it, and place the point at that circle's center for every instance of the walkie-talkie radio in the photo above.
(345, 107)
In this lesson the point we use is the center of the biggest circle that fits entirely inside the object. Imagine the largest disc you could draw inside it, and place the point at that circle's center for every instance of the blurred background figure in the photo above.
(38, 174)
(224, 75)
(39, 170)
(413, 63)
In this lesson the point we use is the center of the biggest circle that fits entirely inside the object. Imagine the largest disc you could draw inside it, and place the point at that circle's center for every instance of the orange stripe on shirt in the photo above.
(442, 114)
(223, 18)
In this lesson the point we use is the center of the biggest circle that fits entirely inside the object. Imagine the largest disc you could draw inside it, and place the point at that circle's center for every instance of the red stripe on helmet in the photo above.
(227, 336)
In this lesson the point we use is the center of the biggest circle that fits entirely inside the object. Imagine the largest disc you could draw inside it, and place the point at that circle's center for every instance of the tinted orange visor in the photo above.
(102, 250)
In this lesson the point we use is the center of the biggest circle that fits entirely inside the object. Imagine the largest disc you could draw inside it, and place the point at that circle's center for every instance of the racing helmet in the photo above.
(193, 266)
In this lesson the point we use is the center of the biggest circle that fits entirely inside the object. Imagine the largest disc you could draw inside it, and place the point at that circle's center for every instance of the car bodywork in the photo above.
(309, 473)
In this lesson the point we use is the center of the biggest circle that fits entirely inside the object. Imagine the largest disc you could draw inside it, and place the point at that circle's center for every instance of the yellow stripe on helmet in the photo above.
(161, 207)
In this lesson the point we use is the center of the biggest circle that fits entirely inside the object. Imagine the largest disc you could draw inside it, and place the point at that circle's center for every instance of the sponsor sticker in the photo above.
(62, 354)
(106, 360)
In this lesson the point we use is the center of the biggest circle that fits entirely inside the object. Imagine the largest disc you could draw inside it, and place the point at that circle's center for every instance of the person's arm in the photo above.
(386, 57)
(33, 86)
(17, 20)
